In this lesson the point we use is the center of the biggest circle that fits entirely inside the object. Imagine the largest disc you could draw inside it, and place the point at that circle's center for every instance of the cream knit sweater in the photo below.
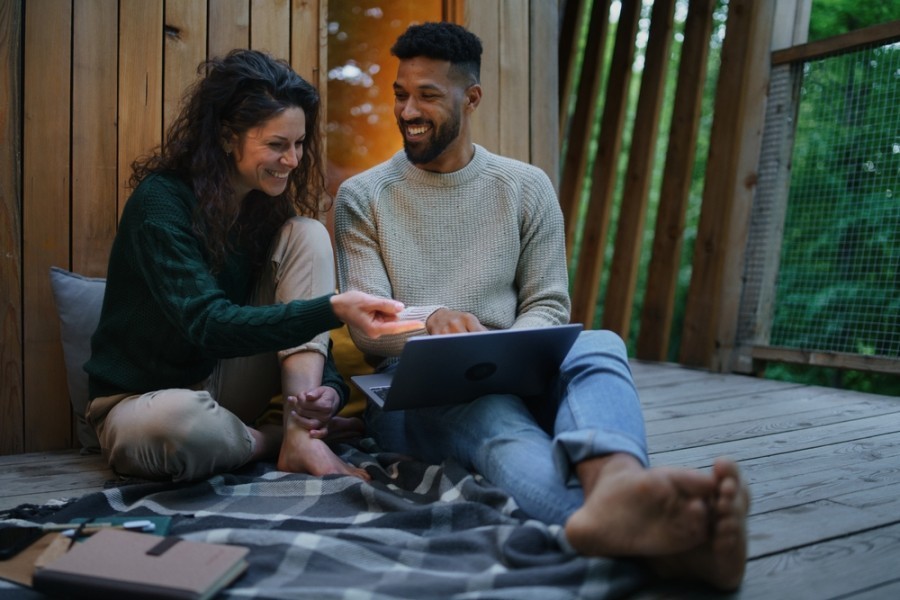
(487, 239)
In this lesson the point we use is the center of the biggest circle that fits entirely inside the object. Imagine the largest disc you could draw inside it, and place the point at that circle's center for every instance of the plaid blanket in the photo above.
(415, 531)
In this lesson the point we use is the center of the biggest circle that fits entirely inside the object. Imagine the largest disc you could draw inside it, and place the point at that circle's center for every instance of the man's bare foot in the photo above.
(721, 560)
(301, 453)
(630, 510)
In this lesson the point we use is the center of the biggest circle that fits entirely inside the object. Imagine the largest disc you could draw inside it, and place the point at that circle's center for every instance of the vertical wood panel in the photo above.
(185, 49)
(662, 275)
(513, 89)
(544, 108)
(46, 154)
(603, 175)
(229, 26)
(140, 84)
(570, 18)
(725, 179)
(309, 38)
(629, 237)
(270, 27)
(587, 103)
(483, 19)
(94, 213)
(11, 391)
(743, 185)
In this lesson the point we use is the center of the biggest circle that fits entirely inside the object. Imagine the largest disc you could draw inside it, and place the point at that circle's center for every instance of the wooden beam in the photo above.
(665, 262)
(184, 49)
(626, 260)
(270, 27)
(570, 19)
(837, 360)
(46, 182)
(714, 290)
(514, 89)
(581, 127)
(94, 122)
(140, 84)
(229, 26)
(876, 34)
(544, 101)
(11, 357)
(586, 284)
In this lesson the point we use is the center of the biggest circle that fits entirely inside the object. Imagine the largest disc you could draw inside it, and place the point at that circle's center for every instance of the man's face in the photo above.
(428, 105)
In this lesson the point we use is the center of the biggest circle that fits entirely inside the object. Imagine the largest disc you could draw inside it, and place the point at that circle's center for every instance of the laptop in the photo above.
(438, 370)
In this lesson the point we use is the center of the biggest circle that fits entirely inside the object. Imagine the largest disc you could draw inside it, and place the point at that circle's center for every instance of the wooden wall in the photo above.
(91, 84)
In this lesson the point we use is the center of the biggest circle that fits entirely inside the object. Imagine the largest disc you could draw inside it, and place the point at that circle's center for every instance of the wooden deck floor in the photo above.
(822, 465)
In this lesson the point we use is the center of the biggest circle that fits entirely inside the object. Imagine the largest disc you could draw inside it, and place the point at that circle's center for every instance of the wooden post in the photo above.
(665, 262)
(11, 349)
(714, 291)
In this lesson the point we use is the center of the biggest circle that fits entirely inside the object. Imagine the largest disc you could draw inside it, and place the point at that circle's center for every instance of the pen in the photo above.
(69, 528)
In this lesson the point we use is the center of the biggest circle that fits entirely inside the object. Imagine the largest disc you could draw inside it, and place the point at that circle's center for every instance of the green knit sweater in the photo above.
(166, 319)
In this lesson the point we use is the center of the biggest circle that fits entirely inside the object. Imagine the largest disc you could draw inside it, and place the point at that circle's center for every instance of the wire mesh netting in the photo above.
(838, 287)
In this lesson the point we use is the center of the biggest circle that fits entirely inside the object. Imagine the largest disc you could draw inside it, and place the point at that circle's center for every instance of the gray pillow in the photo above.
(78, 302)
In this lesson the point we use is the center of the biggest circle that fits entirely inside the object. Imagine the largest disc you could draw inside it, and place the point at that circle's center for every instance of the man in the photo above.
(468, 241)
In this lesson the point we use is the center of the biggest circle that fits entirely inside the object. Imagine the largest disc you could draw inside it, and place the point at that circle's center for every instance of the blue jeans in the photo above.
(528, 447)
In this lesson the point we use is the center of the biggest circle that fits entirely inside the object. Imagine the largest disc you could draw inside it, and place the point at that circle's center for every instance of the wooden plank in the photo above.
(664, 437)
(626, 259)
(270, 27)
(665, 262)
(822, 473)
(827, 570)
(586, 284)
(483, 19)
(309, 43)
(580, 132)
(140, 84)
(185, 49)
(514, 88)
(840, 360)
(778, 443)
(11, 357)
(38, 478)
(46, 153)
(727, 183)
(790, 527)
(572, 12)
(748, 142)
(544, 101)
(94, 98)
(229, 26)
(883, 33)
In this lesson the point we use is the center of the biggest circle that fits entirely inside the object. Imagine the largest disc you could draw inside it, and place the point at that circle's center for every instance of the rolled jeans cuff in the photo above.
(573, 447)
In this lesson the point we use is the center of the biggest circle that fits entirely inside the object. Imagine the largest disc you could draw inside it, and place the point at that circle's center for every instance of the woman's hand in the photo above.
(313, 409)
(371, 315)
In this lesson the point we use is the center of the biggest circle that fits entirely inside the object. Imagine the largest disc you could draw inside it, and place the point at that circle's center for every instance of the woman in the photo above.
(220, 289)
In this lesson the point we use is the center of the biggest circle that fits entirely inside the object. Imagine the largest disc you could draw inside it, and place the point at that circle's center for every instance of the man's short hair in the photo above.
(442, 41)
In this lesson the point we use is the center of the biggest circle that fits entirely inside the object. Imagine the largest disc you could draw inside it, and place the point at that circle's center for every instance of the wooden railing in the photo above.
(760, 301)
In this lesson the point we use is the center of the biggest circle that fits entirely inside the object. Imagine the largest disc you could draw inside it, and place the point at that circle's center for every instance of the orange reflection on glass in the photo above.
(361, 129)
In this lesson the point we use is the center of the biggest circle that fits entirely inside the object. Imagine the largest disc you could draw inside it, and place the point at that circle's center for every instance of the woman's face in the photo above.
(265, 155)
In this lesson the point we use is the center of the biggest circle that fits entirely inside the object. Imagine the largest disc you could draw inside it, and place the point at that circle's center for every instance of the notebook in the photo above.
(437, 370)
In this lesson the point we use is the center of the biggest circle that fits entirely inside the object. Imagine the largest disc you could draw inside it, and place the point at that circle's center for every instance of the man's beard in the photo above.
(442, 137)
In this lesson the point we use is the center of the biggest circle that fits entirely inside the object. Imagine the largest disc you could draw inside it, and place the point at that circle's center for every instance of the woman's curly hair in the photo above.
(237, 93)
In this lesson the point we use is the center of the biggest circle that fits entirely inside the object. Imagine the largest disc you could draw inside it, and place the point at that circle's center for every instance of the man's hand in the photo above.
(445, 320)
(372, 315)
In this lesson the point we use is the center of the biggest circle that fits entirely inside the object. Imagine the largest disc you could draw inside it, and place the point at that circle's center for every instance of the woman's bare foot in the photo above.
(302, 453)
(630, 510)
(721, 560)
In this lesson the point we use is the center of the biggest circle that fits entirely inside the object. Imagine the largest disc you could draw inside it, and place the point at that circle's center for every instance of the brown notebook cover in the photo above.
(123, 564)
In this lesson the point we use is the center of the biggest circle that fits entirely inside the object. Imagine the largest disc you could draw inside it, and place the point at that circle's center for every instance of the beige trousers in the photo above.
(185, 434)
